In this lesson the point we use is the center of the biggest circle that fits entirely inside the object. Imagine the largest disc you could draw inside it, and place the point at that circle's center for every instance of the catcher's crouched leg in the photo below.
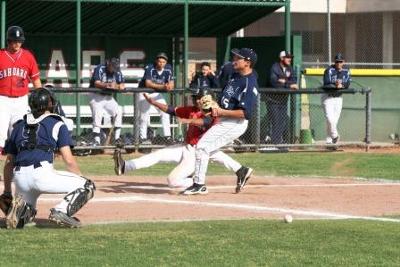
(20, 213)
(78, 198)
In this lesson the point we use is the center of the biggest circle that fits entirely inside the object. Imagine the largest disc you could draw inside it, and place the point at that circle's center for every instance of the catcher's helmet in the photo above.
(15, 33)
(41, 100)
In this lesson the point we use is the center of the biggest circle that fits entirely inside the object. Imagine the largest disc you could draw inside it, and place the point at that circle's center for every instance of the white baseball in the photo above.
(288, 218)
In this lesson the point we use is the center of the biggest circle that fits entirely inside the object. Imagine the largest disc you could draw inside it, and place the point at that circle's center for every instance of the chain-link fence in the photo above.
(283, 119)
(368, 40)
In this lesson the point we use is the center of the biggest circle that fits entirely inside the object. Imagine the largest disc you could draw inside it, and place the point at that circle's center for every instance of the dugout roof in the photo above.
(207, 18)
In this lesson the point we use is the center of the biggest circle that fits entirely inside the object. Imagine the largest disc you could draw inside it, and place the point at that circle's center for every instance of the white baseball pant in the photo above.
(100, 104)
(30, 183)
(219, 135)
(144, 121)
(185, 156)
(332, 108)
(12, 109)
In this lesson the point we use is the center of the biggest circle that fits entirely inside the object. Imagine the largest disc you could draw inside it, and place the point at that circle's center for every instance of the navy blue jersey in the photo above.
(288, 74)
(225, 73)
(331, 75)
(159, 77)
(240, 93)
(100, 73)
(51, 132)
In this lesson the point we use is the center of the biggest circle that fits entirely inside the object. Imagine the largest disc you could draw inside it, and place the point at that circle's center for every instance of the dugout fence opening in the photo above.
(283, 119)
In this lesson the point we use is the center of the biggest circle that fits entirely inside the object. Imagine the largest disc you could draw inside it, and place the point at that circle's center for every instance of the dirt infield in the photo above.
(129, 199)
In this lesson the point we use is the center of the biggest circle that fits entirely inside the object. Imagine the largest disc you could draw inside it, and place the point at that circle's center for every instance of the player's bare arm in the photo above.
(157, 87)
(37, 83)
(8, 172)
(69, 160)
(153, 102)
(220, 112)
(121, 86)
(193, 121)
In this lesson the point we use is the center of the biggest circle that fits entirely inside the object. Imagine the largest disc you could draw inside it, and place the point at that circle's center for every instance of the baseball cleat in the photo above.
(63, 219)
(196, 189)
(15, 212)
(119, 163)
(335, 140)
(243, 175)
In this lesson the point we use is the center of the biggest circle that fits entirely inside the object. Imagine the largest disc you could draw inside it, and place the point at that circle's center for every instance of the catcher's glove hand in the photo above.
(5, 202)
(208, 103)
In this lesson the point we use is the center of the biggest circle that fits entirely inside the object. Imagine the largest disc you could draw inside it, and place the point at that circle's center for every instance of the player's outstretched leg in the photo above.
(243, 175)
(119, 163)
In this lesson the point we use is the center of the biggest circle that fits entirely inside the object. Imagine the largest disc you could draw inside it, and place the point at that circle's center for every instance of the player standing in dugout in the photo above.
(234, 109)
(159, 77)
(17, 68)
(336, 78)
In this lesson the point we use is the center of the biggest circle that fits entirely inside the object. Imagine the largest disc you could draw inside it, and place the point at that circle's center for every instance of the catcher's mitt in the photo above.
(208, 103)
(5, 202)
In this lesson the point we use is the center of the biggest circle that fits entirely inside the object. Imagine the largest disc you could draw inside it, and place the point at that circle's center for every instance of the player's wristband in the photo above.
(7, 194)
(171, 110)
(207, 121)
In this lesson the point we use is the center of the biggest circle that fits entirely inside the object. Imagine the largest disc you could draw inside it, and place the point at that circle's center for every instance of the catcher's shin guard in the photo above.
(20, 214)
(78, 198)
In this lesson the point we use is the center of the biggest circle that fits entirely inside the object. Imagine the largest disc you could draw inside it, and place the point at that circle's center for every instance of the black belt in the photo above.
(35, 166)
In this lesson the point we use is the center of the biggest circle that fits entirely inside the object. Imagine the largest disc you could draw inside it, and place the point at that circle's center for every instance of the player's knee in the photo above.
(200, 152)
(78, 198)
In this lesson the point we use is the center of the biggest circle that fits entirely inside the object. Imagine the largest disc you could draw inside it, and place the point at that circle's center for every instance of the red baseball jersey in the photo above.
(16, 70)
(194, 133)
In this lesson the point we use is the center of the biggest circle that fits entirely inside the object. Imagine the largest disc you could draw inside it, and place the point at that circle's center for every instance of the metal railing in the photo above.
(254, 139)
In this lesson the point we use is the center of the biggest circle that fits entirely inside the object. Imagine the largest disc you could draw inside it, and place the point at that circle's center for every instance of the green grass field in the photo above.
(368, 165)
(218, 243)
(223, 243)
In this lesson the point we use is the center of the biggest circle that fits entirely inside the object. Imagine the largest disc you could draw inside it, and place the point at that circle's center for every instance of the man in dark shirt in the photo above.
(205, 79)
(282, 76)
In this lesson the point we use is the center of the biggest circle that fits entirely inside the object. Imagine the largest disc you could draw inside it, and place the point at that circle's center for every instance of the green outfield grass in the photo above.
(368, 165)
(217, 243)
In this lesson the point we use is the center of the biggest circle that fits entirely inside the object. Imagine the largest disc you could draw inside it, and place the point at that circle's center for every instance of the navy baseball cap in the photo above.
(245, 53)
(162, 55)
(339, 57)
(285, 54)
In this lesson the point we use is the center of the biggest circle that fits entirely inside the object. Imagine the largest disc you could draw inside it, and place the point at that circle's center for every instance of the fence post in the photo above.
(368, 119)
(136, 120)
(258, 122)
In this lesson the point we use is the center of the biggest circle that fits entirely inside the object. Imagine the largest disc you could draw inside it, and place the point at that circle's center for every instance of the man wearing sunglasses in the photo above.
(336, 78)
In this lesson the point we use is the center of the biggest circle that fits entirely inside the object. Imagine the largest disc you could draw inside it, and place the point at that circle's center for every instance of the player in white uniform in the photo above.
(236, 104)
(199, 122)
(108, 78)
(30, 154)
(159, 77)
(335, 78)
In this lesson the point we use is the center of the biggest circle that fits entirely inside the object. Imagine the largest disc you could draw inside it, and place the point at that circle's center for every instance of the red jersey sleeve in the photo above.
(183, 112)
(34, 70)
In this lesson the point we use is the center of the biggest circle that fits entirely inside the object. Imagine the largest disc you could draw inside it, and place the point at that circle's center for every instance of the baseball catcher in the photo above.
(30, 154)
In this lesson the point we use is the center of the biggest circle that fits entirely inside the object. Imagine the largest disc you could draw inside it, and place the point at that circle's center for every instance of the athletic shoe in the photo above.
(196, 189)
(335, 140)
(119, 163)
(14, 214)
(243, 175)
(63, 219)
(119, 143)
